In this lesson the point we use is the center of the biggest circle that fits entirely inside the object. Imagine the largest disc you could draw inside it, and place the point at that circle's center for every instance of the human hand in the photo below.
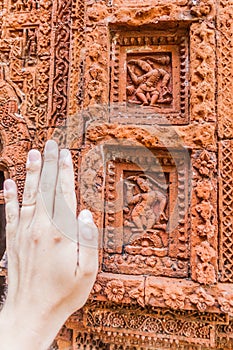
(52, 258)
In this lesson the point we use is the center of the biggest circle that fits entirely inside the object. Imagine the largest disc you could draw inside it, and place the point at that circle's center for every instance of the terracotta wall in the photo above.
(141, 92)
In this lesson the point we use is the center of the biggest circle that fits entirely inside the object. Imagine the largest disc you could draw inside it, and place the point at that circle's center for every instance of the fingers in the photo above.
(31, 186)
(65, 199)
(88, 244)
(48, 179)
(12, 209)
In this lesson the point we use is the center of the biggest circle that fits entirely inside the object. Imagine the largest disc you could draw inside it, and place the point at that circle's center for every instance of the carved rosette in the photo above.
(136, 326)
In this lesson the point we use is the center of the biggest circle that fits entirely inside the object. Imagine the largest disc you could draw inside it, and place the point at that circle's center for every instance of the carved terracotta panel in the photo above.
(141, 91)
(145, 226)
(149, 77)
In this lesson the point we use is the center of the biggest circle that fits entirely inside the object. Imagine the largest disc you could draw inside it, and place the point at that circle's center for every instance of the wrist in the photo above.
(28, 329)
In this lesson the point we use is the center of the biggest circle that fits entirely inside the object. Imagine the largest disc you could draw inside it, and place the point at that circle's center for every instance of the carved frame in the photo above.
(124, 44)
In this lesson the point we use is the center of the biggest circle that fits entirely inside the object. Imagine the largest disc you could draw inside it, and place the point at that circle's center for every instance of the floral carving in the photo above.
(201, 299)
(203, 189)
(174, 298)
(205, 164)
(115, 290)
(206, 273)
(138, 294)
(202, 8)
(206, 230)
(226, 305)
(205, 210)
(205, 252)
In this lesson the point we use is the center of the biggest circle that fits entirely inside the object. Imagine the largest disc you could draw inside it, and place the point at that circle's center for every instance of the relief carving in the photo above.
(159, 329)
(24, 5)
(148, 236)
(202, 71)
(96, 88)
(226, 210)
(10, 94)
(202, 8)
(204, 216)
(225, 57)
(201, 299)
(146, 62)
(148, 84)
(145, 70)
(144, 213)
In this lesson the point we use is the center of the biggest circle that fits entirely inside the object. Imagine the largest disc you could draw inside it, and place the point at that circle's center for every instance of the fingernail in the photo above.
(87, 231)
(33, 155)
(86, 216)
(8, 184)
(50, 145)
(87, 226)
(64, 153)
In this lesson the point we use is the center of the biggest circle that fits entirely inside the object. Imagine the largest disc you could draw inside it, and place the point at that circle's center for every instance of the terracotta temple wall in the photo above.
(141, 92)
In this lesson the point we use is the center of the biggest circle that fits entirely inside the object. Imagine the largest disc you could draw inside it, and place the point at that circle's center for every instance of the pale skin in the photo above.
(52, 257)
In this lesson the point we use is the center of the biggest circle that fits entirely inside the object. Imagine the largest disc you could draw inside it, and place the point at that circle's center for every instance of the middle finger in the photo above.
(48, 179)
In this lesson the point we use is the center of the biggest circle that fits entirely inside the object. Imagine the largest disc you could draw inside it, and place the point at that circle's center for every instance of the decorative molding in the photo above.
(225, 68)
(226, 210)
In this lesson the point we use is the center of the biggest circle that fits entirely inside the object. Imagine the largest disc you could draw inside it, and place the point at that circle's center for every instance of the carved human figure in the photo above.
(149, 204)
(31, 46)
(152, 86)
(10, 95)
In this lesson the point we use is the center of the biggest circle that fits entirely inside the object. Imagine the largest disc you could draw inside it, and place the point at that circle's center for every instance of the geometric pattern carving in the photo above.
(225, 68)
(226, 210)
(108, 327)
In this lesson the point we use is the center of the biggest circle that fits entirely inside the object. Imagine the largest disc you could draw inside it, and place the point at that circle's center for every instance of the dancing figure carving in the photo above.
(150, 84)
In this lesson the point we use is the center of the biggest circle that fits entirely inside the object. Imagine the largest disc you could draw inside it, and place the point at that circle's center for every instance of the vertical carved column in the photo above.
(97, 56)
(59, 63)
(77, 56)
(204, 218)
(202, 69)
(225, 68)
(225, 131)
(43, 70)
(226, 210)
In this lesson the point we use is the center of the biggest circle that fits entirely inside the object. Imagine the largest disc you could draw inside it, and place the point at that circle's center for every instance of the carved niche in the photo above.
(149, 76)
(150, 234)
